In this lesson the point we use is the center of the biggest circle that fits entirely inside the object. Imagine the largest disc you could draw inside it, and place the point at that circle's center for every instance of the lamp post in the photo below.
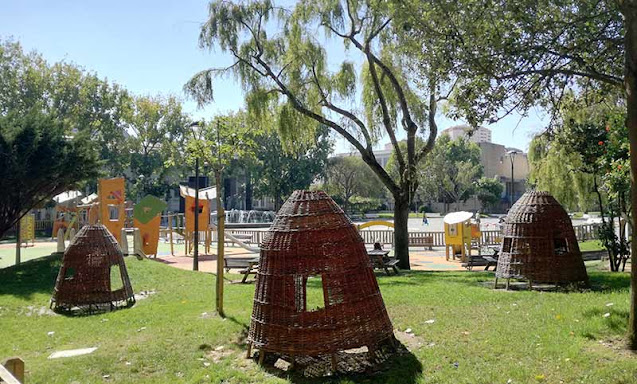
(511, 155)
(195, 260)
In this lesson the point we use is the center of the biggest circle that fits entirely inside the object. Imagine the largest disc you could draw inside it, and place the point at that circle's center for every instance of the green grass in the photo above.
(493, 336)
(591, 245)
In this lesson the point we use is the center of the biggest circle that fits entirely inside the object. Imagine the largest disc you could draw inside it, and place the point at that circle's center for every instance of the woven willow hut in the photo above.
(539, 243)
(313, 244)
(93, 275)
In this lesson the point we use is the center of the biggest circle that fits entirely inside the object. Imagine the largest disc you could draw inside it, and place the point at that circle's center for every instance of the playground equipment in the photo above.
(539, 243)
(205, 195)
(312, 242)
(375, 223)
(147, 217)
(66, 211)
(93, 275)
(27, 230)
(112, 198)
(461, 235)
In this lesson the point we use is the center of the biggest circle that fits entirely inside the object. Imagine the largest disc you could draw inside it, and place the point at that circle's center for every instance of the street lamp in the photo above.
(511, 154)
(195, 260)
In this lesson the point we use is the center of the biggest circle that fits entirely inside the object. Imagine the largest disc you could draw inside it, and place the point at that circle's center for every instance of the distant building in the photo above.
(382, 155)
(496, 162)
(480, 134)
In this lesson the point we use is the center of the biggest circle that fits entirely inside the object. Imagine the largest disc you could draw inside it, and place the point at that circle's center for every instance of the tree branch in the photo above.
(386, 118)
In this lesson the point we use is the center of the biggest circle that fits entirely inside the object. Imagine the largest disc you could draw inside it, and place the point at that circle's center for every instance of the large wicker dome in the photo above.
(539, 243)
(312, 242)
(93, 275)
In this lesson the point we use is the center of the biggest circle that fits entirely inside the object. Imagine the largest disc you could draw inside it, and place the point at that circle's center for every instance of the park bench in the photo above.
(379, 259)
(424, 241)
(245, 265)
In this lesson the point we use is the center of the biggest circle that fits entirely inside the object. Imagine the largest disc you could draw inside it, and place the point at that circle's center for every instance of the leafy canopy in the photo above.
(39, 161)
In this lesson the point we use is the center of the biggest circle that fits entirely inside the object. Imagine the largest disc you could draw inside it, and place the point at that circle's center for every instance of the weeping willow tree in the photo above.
(558, 170)
(364, 92)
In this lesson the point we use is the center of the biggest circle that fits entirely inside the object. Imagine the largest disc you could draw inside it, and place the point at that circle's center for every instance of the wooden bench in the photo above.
(245, 265)
(379, 259)
(425, 242)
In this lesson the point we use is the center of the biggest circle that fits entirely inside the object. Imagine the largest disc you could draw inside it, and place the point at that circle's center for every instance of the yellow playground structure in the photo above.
(461, 235)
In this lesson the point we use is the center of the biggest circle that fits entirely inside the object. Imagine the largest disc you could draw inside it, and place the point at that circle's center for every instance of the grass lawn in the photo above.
(479, 335)
(591, 245)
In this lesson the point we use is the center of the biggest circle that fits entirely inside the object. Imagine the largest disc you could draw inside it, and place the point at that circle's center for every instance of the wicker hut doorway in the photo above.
(539, 244)
(316, 294)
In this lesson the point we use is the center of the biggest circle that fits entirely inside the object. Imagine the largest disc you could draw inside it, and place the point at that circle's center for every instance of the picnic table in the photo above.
(380, 259)
(488, 258)
(246, 265)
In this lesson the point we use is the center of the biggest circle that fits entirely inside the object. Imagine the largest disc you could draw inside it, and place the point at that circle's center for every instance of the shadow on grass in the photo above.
(609, 281)
(30, 277)
(617, 320)
(400, 366)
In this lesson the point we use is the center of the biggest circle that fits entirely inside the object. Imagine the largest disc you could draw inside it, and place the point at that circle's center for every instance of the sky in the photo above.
(150, 47)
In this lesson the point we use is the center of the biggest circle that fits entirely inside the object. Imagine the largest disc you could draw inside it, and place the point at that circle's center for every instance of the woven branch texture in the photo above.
(93, 275)
(539, 243)
(313, 244)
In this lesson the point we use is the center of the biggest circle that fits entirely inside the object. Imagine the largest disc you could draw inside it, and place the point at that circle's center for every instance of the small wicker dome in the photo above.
(539, 243)
(93, 275)
(312, 242)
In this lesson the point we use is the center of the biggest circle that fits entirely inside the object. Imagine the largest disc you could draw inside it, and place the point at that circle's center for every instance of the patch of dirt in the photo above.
(144, 294)
(409, 340)
(356, 361)
(37, 311)
(219, 353)
(618, 345)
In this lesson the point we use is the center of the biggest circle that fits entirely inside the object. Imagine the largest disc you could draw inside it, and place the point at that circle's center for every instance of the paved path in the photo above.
(420, 260)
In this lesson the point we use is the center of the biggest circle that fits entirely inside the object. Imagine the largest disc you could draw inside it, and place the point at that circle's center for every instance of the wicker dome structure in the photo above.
(539, 243)
(93, 275)
(312, 242)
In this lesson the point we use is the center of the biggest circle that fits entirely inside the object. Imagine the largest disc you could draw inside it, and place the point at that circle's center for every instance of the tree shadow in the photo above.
(389, 366)
(30, 277)
(609, 281)
(616, 321)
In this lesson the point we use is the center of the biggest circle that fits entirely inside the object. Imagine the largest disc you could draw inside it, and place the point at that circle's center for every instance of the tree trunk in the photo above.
(401, 234)
(17, 242)
(220, 246)
(630, 83)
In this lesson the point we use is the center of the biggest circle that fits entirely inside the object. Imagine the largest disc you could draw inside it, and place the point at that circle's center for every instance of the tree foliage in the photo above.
(450, 172)
(64, 91)
(489, 192)
(278, 170)
(38, 161)
(157, 128)
(349, 179)
(509, 59)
